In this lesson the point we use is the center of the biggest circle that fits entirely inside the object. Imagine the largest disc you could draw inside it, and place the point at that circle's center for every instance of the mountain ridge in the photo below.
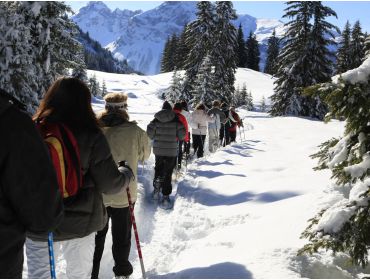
(139, 36)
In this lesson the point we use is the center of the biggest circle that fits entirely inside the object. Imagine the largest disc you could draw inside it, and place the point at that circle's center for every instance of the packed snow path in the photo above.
(238, 213)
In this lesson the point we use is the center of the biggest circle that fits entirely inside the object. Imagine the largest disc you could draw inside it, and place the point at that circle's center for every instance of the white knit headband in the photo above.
(115, 104)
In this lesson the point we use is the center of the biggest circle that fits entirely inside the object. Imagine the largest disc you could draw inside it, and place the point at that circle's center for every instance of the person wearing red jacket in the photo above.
(234, 122)
(177, 108)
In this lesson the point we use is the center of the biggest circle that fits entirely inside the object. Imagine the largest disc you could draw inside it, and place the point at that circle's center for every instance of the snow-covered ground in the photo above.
(239, 212)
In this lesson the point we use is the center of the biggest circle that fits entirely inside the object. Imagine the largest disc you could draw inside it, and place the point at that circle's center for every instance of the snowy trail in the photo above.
(234, 201)
(239, 212)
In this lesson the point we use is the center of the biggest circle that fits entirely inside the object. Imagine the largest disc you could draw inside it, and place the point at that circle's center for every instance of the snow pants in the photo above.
(213, 139)
(78, 254)
(121, 239)
(180, 154)
(163, 169)
(232, 136)
(198, 144)
(224, 135)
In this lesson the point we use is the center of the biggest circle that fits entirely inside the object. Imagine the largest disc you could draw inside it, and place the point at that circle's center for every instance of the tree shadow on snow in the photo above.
(275, 196)
(207, 197)
(213, 174)
(226, 162)
(226, 270)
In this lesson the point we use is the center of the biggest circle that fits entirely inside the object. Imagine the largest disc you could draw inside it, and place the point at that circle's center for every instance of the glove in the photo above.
(127, 172)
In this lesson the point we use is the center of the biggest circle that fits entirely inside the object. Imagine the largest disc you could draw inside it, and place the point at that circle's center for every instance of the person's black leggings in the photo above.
(163, 169)
(121, 237)
(198, 144)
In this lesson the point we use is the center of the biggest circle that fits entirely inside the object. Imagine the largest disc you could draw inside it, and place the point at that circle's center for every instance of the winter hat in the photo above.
(115, 101)
(166, 105)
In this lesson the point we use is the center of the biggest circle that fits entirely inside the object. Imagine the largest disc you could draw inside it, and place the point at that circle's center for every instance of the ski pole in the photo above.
(131, 206)
(51, 256)
(143, 168)
(133, 221)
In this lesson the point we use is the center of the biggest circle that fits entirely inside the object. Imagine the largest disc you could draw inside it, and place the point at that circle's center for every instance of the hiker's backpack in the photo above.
(65, 155)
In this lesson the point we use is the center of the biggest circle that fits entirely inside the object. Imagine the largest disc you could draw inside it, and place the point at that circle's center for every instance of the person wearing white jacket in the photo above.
(215, 126)
(199, 124)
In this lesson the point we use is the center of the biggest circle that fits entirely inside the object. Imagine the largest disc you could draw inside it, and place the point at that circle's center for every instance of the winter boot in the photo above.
(157, 184)
(166, 202)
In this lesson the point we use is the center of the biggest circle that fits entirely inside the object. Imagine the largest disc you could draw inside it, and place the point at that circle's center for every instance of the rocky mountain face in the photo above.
(139, 37)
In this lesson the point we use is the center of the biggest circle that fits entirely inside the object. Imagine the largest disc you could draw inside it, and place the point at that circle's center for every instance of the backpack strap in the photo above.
(65, 132)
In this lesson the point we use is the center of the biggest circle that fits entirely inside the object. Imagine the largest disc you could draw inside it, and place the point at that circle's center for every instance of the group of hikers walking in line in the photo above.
(36, 198)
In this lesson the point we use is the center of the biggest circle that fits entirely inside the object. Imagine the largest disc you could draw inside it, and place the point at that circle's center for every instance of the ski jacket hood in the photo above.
(165, 115)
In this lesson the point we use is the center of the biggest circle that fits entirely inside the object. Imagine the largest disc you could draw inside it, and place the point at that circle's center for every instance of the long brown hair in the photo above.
(68, 100)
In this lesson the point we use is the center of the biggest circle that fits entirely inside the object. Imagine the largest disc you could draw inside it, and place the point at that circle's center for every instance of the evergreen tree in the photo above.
(224, 51)
(94, 86)
(249, 101)
(321, 65)
(303, 60)
(204, 83)
(16, 56)
(237, 100)
(344, 51)
(174, 93)
(104, 90)
(253, 52)
(241, 51)
(293, 61)
(79, 71)
(357, 46)
(200, 39)
(41, 26)
(263, 104)
(344, 226)
(367, 47)
(272, 54)
(166, 57)
(53, 35)
(182, 51)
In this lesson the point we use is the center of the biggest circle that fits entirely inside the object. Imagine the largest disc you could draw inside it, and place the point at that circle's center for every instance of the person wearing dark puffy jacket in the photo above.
(29, 194)
(165, 131)
(68, 101)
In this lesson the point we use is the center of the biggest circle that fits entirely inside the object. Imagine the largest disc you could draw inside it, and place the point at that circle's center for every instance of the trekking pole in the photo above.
(143, 168)
(131, 206)
(240, 135)
(51, 256)
(133, 221)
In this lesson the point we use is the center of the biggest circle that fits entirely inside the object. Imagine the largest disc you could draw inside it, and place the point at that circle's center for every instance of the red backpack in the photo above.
(65, 155)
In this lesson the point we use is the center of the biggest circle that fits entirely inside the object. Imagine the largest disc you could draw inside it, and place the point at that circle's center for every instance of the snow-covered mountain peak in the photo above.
(95, 6)
(140, 36)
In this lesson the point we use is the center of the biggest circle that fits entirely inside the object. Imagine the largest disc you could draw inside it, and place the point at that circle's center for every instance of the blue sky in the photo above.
(346, 10)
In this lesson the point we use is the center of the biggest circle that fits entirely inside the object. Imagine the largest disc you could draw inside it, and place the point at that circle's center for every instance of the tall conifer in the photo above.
(272, 54)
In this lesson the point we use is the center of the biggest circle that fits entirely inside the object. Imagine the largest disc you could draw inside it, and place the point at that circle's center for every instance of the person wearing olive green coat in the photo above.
(127, 142)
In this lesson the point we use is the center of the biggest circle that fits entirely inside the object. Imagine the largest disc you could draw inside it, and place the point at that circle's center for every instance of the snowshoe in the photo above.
(157, 184)
(121, 277)
(166, 202)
